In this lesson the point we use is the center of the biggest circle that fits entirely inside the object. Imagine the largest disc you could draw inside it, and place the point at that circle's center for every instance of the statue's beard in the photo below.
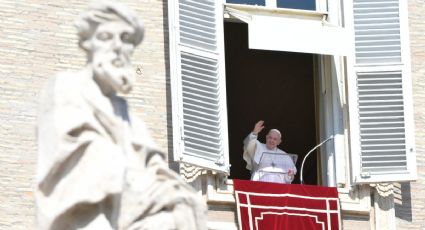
(114, 71)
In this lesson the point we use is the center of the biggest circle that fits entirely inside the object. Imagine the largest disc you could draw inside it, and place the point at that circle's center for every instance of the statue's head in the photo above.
(109, 33)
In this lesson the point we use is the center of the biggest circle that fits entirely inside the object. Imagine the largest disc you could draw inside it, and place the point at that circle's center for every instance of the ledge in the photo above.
(263, 10)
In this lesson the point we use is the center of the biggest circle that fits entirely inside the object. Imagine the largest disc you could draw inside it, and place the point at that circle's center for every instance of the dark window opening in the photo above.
(277, 87)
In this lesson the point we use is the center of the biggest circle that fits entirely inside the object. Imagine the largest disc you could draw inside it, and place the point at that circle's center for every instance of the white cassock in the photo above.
(267, 165)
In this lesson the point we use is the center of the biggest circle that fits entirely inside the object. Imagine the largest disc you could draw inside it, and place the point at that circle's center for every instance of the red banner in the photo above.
(271, 206)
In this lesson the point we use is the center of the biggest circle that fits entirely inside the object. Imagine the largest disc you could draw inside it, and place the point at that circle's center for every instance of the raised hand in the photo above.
(258, 127)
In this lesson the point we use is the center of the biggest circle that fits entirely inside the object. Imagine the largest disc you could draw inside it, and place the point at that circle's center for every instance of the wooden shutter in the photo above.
(384, 120)
(198, 83)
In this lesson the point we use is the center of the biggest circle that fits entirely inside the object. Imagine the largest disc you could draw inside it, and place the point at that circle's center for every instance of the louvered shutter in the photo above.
(198, 83)
(377, 32)
(384, 114)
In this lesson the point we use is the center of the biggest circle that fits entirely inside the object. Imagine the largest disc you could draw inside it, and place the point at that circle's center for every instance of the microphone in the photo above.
(315, 147)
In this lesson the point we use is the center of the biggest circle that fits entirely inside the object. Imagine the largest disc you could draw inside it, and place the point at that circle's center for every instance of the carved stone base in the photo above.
(383, 214)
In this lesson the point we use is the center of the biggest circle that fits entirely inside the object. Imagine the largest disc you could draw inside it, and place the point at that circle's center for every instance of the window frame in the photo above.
(331, 68)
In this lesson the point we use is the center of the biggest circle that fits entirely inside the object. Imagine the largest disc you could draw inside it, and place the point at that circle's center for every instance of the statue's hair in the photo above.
(276, 131)
(105, 11)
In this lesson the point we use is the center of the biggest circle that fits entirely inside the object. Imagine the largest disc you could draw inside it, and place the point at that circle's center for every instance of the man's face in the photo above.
(272, 140)
(111, 47)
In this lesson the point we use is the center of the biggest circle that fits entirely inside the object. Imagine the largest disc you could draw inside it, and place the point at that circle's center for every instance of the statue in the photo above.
(98, 168)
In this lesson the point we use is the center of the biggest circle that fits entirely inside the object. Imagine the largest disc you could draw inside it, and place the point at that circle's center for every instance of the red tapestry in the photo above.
(271, 206)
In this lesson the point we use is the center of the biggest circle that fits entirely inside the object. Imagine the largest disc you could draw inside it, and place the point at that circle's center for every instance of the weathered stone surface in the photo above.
(98, 167)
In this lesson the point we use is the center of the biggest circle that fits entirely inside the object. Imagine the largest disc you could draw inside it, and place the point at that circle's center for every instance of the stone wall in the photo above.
(37, 40)
(410, 197)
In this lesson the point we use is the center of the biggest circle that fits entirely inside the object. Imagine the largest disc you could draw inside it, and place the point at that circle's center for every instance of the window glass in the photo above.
(291, 4)
(248, 2)
(297, 4)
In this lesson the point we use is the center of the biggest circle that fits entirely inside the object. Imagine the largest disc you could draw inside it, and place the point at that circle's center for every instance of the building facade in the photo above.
(206, 71)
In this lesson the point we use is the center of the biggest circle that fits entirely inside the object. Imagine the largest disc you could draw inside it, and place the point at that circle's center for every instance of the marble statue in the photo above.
(98, 168)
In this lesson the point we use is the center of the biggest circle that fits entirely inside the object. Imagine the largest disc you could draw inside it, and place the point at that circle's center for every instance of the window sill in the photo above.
(219, 190)
(353, 201)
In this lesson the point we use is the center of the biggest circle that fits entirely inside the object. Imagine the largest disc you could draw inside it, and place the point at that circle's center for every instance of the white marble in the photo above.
(98, 167)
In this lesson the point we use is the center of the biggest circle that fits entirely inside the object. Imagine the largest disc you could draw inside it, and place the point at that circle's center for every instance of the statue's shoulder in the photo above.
(69, 81)
(64, 86)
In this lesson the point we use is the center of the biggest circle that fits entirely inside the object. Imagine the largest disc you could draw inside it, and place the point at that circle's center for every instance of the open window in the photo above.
(305, 49)
(275, 86)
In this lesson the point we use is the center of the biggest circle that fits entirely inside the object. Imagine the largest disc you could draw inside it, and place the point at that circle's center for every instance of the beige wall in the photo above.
(410, 197)
(37, 39)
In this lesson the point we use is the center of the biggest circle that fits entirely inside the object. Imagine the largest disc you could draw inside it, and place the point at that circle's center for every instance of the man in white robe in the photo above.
(266, 161)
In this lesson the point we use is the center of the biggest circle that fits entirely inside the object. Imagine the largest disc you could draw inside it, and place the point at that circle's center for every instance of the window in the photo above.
(275, 86)
(297, 4)
(248, 2)
(377, 134)
(290, 4)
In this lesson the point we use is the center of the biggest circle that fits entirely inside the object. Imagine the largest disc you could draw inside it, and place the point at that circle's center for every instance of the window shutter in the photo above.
(384, 120)
(198, 83)
(377, 32)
